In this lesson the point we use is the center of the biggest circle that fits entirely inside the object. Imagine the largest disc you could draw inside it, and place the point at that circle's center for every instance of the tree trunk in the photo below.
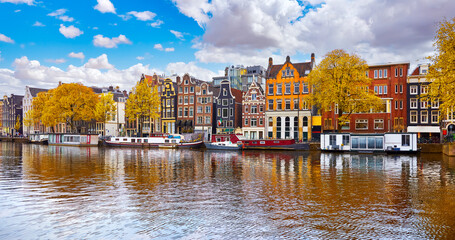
(340, 113)
(104, 127)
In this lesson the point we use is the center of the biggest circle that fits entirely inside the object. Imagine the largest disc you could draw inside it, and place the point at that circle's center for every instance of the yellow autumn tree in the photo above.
(18, 124)
(340, 80)
(441, 72)
(105, 109)
(143, 104)
(67, 103)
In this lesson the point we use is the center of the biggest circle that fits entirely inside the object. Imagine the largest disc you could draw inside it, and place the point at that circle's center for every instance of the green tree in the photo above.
(441, 72)
(143, 104)
(105, 109)
(340, 80)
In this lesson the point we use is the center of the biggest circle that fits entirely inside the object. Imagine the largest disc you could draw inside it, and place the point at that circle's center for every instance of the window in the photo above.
(361, 124)
(380, 89)
(379, 124)
(246, 121)
(279, 89)
(346, 140)
(385, 73)
(219, 101)
(279, 105)
(207, 120)
(296, 88)
(305, 105)
(366, 74)
(232, 111)
(186, 89)
(191, 99)
(434, 116)
(199, 109)
(413, 103)
(261, 108)
(253, 96)
(376, 89)
(186, 99)
(204, 91)
(191, 89)
(253, 122)
(332, 140)
(385, 89)
(199, 120)
(180, 100)
(396, 72)
(287, 88)
(296, 104)
(405, 139)
(232, 101)
(423, 104)
(424, 117)
(305, 122)
(208, 109)
(423, 89)
(246, 109)
(224, 92)
(396, 88)
(288, 104)
(401, 88)
(180, 90)
(199, 100)
(185, 112)
(270, 122)
(270, 89)
(375, 73)
(225, 102)
(413, 90)
(271, 104)
(261, 121)
(180, 112)
(413, 118)
(225, 113)
(219, 111)
(254, 109)
(435, 104)
(304, 87)
(396, 104)
(401, 72)
(380, 73)
(401, 104)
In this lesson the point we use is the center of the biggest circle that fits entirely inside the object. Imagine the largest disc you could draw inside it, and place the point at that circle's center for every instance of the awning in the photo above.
(424, 129)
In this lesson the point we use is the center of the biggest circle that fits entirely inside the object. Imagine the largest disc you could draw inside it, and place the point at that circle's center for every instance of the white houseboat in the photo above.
(40, 138)
(387, 142)
(156, 140)
(73, 139)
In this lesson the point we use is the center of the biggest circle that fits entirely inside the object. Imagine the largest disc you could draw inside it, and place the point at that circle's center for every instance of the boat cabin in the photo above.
(73, 139)
(398, 142)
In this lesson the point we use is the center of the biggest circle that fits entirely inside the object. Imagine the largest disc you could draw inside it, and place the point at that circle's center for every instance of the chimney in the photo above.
(111, 88)
(270, 62)
(125, 93)
(288, 59)
(312, 58)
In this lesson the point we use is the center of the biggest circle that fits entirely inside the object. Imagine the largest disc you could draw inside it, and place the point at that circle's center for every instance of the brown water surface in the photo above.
(50, 192)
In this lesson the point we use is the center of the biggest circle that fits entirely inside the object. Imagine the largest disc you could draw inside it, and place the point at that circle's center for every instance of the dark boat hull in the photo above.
(197, 144)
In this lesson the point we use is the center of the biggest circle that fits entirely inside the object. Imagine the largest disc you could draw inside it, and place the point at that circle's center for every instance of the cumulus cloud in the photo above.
(255, 28)
(191, 68)
(100, 62)
(28, 2)
(156, 24)
(158, 46)
(177, 34)
(59, 14)
(169, 49)
(70, 32)
(56, 61)
(140, 58)
(32, 73)
(38, 24)
(79, 55)
(143, 16)
(105, 6)
(100, 41)
(4, 38)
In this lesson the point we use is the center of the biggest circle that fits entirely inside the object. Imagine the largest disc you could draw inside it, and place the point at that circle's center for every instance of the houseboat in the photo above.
(39, 138)
(386, 142)
(225, 145)
(268, 144)
(195, 144)
(73, 139)
(156, 140)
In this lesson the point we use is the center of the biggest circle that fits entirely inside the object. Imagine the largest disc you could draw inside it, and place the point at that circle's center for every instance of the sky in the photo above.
(113, 42)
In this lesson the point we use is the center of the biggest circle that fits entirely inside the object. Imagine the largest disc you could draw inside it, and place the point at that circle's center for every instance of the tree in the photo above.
(18, 124)
(340, 80)
(105, 109)
(143, 104)
(67, 103)
(442, 68)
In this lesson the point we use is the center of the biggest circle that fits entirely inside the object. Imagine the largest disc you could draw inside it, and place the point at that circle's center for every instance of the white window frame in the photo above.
(413, 103)
(361, 121)
(411, 115)
(413, 90)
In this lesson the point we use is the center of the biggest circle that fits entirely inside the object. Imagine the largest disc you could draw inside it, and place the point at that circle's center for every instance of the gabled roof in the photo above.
(416, 71)
(34, 91)
(302, 68)
(237, 94)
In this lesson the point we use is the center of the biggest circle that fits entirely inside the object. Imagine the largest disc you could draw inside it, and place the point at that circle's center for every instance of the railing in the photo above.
(429, 140)
(449, 138)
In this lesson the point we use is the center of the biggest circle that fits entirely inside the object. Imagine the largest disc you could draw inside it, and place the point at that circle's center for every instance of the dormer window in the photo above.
(224, 92)
(288, 72)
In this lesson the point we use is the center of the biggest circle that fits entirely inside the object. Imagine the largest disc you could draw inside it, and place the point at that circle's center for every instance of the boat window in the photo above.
(255, 142)
(363, 142)
(173, 141)
(276, 141)
(117, 139)
(146, 140)
(166, 141)
(371, 142)
(262, 142)
(355, 142)
(379, 143)
(345, 140)
(133, 140)
(332, 140)
(139, 140)
(405, 140)
(125, 139)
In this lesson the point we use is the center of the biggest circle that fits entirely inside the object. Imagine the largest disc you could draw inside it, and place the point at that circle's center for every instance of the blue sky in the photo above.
(112, 42)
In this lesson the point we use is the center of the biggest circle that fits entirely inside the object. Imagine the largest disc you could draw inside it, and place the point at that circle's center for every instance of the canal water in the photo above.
(49, 192)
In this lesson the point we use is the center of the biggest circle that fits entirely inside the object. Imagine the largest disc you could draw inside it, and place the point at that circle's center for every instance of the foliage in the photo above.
(442, 68)
(105, 109)
(340, 80)
(28, 118)
(67, 103)
(143, 103)
(18, 124)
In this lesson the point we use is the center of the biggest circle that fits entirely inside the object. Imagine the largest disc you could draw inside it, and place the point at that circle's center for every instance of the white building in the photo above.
(27, 104)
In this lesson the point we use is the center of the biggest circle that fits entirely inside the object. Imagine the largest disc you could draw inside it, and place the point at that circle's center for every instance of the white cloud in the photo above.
(32, 73)
(4, 38)
(169, 49)
(177, 34)
(38, 24)
(70, 32)
(16, 11)
(156, 24)
(100, 62)
(100, 41)
(105, 6)
(29, 2)
(56, 61)
(79, 55)
(140, 58)
(237, 30)
(59, 14)
(143, 16)
(191, 68)
(158, 46)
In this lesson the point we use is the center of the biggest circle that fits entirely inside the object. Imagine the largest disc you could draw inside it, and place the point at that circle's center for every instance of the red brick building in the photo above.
(205, 95)
(186, 103)
(253, 112)
(389, 83)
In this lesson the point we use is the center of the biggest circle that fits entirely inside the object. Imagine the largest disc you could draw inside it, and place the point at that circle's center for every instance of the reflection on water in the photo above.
(70, 192)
